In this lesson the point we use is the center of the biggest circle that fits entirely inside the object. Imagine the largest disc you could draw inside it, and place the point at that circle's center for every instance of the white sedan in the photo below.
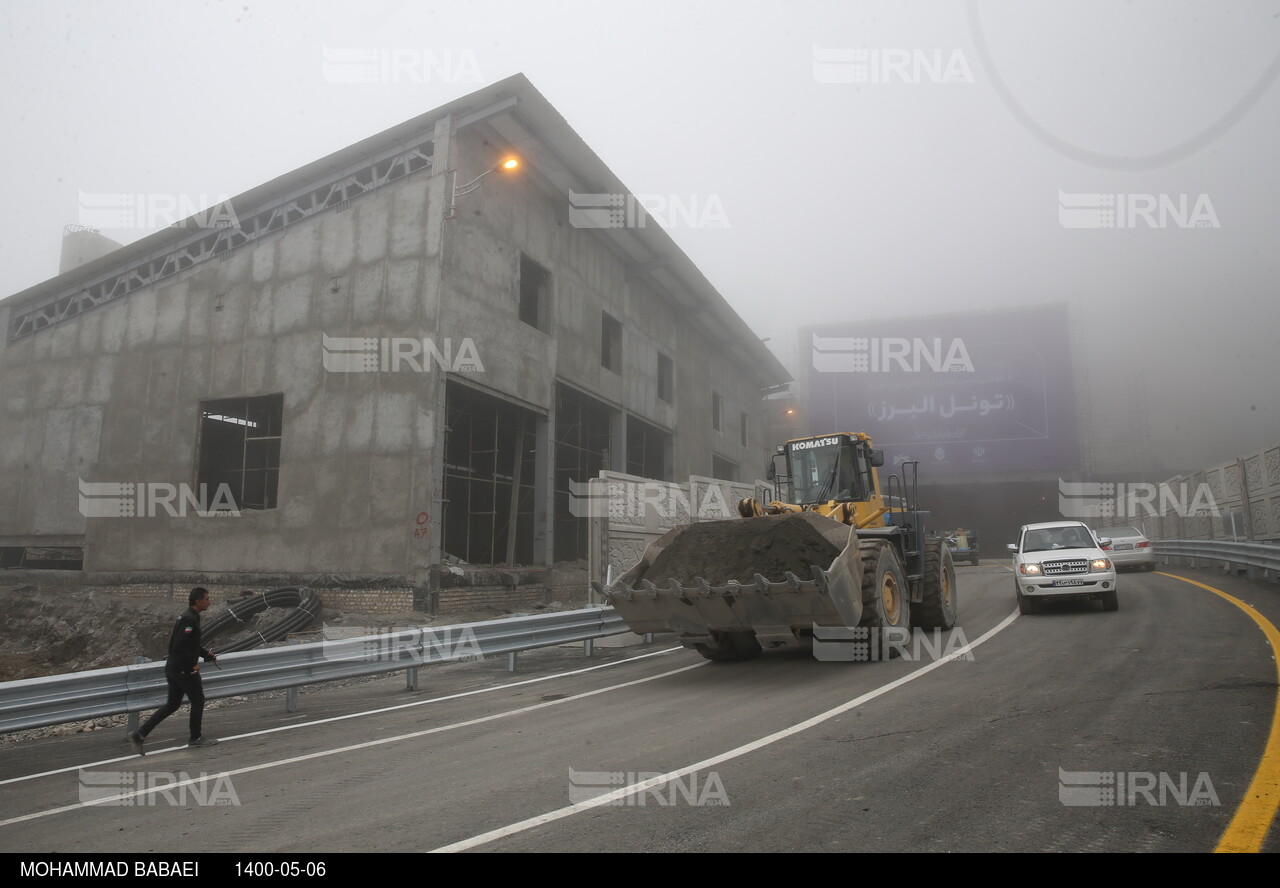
(1129, 547)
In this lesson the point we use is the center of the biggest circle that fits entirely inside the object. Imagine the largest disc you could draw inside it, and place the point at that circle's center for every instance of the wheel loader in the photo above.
(833, 559)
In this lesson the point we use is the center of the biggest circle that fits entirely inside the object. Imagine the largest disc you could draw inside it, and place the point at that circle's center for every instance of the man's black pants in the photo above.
(180, 684)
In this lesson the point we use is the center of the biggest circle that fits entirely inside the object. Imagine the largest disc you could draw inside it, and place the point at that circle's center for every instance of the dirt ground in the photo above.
(53, 632)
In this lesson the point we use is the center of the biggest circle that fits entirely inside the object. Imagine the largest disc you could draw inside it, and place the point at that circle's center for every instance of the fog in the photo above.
(938, 171)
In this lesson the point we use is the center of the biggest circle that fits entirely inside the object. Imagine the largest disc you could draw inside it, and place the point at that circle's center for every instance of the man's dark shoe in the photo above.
(135, 740)
(204, 741)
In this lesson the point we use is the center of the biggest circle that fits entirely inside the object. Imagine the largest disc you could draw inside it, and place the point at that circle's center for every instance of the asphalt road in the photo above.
(1152, 720)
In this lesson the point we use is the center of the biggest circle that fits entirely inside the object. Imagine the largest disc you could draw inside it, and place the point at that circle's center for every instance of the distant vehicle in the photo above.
(963, 544)
(1062, 561)
(1129, 547)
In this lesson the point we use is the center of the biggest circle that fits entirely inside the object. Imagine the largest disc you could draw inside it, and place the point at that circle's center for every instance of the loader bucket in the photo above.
(774, 576)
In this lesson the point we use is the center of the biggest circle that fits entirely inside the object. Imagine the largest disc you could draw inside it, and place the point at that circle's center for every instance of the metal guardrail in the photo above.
(1259, 556)
(57, 699)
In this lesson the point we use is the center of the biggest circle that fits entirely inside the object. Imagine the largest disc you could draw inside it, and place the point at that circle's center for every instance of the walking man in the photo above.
(182, 672)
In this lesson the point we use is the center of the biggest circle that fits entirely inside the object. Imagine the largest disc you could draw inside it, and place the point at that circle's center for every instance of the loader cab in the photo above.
(831, 467)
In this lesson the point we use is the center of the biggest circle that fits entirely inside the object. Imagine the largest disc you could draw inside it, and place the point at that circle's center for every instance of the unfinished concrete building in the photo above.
(395, 360)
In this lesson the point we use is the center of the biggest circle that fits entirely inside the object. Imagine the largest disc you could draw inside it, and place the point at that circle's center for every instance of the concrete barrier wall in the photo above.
(639, 510)
(1247, 488)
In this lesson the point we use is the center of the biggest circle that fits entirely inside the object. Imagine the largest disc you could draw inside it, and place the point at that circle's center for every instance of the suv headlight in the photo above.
(1101, 564)
(1030, 570)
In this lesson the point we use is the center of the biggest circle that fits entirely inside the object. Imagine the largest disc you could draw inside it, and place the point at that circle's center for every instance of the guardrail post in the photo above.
(511, 662)
(586, 647)
(291, 699)
(411, 678)
(648, 638)
(132, 720)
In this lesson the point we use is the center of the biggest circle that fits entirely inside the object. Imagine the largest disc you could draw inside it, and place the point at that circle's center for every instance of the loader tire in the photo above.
(731, 647)
(885, 600)
(939, 607)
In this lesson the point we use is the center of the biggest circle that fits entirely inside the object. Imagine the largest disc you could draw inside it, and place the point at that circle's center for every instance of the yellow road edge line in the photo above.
(1248, 828)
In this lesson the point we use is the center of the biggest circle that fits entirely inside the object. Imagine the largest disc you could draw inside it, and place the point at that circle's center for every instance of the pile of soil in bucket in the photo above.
(738, 549)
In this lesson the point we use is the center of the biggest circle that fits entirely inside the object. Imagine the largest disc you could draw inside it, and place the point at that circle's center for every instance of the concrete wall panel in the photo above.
(373, 224)
(291, 305)
(337, 243)
(171, 313)
(298, 251)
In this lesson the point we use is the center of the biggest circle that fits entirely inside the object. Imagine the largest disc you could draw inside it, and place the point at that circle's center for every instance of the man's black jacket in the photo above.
(184, 644)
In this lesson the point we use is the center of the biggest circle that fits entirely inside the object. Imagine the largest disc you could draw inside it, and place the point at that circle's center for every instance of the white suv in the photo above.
(1062, 561)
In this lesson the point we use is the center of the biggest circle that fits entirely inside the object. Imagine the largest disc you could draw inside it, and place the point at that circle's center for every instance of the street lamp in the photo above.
(506, 165)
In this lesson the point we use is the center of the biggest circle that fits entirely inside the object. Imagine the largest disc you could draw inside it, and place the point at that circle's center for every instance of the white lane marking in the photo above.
(643, 786)
(337, 718)
(345, 749)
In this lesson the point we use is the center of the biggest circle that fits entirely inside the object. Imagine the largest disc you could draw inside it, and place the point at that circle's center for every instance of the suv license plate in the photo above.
(1068, 582)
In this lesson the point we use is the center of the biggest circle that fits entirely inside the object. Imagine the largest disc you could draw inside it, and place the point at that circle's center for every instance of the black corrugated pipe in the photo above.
(305, 606)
